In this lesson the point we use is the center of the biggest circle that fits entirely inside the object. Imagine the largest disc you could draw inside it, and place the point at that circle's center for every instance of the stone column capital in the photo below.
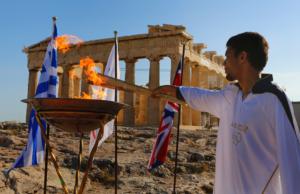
(210, 54)
(154, 58)
(178, 58)
(60, 70)
(130, 60)
(219, 59)
(174, 57)
(34, 69)
(187, 61)
(203, 68)
(68, 67)
(195, 65)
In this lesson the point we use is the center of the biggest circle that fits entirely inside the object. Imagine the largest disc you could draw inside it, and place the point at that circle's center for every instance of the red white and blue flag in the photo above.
(160, 149)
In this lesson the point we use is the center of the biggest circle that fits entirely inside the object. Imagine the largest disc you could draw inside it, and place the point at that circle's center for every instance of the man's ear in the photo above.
(243, 56)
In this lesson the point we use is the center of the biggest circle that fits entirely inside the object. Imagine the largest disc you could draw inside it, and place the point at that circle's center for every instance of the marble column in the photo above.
(85, 87)
(153, 104)
(60, 83)
(195, 82)
(120, 115)
(186, 118)
(67, 82)
(129, 113)
(32, 85)
(76, 84)
(203, 80)
(174, 64)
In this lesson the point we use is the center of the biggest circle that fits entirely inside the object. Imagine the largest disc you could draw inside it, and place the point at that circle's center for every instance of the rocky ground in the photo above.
(195, 168)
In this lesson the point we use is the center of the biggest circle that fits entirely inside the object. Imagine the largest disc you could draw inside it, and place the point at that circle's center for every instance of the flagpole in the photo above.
(48, 136)
(46, 160)
(115, 123)
(178, 124)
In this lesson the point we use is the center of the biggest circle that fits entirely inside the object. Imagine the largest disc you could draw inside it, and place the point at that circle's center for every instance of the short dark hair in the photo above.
(254, 44)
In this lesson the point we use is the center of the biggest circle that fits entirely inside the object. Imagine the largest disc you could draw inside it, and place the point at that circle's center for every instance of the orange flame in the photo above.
(86, 96)
(64, 42)
(89, 65)
(97, 94)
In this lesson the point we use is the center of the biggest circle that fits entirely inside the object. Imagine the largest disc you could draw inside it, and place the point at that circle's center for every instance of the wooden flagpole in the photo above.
(53, 158)
(178, 124)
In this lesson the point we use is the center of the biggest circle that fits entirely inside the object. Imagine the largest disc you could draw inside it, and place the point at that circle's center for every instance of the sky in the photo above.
(24, 23)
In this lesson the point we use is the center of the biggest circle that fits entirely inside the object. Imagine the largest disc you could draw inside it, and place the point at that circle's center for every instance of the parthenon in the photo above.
(201, 69)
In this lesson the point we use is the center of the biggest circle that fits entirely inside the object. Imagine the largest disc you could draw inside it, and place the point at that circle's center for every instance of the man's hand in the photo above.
(166, 90)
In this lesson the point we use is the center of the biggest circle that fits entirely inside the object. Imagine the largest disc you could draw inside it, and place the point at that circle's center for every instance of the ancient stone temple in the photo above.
(202, 69)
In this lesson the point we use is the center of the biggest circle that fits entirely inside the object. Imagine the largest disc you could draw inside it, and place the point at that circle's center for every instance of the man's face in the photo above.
(231, 65)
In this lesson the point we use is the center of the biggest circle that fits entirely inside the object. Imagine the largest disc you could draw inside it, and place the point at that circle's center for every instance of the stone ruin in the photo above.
(202, 69)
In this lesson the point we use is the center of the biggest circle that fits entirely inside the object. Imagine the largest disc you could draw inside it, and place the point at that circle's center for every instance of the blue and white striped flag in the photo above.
(33, 153)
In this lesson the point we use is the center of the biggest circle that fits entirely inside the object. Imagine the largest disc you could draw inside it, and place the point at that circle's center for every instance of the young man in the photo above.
(258, 147)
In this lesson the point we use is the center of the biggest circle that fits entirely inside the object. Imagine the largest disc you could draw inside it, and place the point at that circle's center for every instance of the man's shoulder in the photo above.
(279, 93)
(273, 90)
(266, 85)
(269, 87)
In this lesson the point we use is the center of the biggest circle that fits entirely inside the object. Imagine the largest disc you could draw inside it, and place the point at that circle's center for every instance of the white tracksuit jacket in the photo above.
(258, 149)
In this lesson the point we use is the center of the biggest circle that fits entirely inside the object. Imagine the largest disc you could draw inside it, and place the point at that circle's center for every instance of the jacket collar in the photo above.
(261, 84)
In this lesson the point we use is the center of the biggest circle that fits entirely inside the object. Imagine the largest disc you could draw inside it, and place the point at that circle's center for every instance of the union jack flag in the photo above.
(160, 148)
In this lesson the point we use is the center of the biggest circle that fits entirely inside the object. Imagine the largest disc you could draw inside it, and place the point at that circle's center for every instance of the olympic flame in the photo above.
(64, 42)
(88, 65)
(85, 96)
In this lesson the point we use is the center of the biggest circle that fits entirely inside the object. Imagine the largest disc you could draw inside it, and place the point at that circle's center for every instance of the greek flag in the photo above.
(33, 153)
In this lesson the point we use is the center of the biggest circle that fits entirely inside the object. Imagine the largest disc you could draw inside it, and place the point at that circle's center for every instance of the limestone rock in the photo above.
(196, 157)
(201, 142)
(5, 141)
(195, 170)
